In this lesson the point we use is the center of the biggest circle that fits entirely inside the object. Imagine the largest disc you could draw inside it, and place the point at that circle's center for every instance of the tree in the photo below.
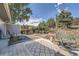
(64, 18)
(76, 18)
(51, 22)
(64, 15)
(45, 26)
(19, 11)
(42, 24)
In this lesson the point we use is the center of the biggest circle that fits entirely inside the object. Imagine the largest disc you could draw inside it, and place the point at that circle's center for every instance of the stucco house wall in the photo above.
(3, 41)
(5, 17)
(13, 29)
(3, 28)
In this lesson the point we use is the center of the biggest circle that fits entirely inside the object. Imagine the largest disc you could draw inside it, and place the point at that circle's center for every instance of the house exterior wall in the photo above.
(13, 29)
(3, 28)
(6, 17)
(3, 44)
(3, 41)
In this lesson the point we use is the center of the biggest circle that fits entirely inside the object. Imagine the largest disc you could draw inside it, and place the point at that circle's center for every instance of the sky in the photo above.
(48, 10)
(44, 11)
(32, 22)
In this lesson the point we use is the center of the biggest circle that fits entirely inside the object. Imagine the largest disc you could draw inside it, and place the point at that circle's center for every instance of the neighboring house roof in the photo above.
(4, 12)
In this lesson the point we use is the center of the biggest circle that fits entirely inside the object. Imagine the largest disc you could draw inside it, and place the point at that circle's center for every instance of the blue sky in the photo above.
(47, 10)
(72, 7)
(43, 10)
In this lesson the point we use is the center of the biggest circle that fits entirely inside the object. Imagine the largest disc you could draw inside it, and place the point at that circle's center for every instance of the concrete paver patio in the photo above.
(38, 47)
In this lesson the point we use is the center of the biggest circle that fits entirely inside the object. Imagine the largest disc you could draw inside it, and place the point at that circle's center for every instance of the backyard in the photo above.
(61, 30)
(34, 31)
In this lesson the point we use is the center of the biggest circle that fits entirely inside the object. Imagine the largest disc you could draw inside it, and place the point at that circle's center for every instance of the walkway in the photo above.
(38, 47)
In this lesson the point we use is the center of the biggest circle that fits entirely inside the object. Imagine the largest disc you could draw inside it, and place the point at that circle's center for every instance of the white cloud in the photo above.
(66, 8)
(32, 21)
(59, 4)
(57, 8)
(59, 11)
